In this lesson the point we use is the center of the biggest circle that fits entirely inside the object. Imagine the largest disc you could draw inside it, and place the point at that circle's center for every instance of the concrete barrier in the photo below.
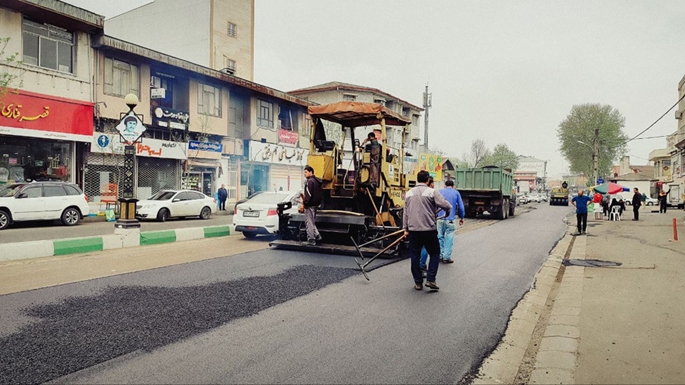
(58, 247)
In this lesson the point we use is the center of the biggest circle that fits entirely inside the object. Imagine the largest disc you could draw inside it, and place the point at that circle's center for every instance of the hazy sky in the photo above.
(502, 71)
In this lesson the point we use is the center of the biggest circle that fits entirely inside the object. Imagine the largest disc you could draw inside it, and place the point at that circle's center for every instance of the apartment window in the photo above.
(349, 97)
(232, 29)
(265, 114)
(307, 126)
(229, 64)
(405, 111)
(415, 120)
(121, 78)
(208, 100)
(379, 101)
(48, 46)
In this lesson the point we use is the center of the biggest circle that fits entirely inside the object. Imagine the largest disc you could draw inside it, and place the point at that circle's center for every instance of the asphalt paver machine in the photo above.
(363, 187)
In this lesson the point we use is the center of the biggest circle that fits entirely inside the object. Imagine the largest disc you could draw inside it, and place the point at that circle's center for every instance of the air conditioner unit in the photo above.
(679, 114)
(229, 71)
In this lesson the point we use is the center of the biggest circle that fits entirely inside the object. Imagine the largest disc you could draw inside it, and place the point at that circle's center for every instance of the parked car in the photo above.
(259, 215)
(521, 199)
(176, 203)
(651, 201)
(42, 201)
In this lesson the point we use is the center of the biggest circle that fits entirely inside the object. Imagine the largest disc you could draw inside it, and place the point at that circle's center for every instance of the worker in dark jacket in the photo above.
(310, 201)
(663, 200)
(419, 222)
(637, 202)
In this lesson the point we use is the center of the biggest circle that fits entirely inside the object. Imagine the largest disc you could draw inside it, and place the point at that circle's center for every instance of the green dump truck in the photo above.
(486, 189)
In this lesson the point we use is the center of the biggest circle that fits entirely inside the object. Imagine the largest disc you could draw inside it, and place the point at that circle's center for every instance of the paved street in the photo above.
(268, 316)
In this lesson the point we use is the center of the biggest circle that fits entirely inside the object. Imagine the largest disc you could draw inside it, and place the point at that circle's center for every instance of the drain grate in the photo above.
(590, 263)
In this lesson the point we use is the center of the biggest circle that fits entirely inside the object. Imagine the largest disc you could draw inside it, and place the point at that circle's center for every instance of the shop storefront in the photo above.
(273, 167)
(203, 167)
(158, 166)
(41, 135)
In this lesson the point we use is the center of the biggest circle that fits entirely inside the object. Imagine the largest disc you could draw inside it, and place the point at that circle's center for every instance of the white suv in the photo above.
(42, 201)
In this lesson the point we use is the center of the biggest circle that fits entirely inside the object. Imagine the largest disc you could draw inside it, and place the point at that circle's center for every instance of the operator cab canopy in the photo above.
(355, 114)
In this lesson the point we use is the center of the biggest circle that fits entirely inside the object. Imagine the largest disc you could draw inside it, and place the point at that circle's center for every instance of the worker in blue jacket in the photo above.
(446, 222)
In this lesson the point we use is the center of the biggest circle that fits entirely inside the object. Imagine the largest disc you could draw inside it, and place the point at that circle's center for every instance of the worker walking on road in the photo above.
(419, 222)
(581, 202)
(310, 202)
(446, 225)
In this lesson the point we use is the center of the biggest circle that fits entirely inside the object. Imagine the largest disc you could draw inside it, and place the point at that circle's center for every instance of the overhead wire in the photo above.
(655, 122)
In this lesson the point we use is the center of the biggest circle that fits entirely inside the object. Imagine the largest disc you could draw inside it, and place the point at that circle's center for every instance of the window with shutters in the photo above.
(208, 100)
(232, 29)
(48, 46)
(121, 78)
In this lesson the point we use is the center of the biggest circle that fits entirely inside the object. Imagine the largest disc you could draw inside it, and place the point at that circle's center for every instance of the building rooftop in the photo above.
(350, 87)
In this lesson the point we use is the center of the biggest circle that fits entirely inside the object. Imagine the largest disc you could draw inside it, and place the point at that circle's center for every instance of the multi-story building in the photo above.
(46, 119)
(678, 149)
(530, 174)
(337, 91)
(204, 127)
(214, 34)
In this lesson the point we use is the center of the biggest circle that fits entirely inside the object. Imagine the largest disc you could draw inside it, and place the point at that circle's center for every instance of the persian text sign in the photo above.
(288, 137)
(154, 148)
(277, 154)
(25, 113)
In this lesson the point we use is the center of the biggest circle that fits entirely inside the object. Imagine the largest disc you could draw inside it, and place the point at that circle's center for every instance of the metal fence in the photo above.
(104, 173)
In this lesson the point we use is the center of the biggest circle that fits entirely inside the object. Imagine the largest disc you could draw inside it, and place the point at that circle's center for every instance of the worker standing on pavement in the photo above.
(581, 202)
(446, 225)
(419, 222)
(310, 201)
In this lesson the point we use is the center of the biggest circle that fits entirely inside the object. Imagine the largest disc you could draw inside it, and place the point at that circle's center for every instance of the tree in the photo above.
(479, 153)
(577, 135)
(9, 68)
(503, 157)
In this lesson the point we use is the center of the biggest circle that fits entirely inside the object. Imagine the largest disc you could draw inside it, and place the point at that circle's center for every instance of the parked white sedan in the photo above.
(176, 203)
(259, 214)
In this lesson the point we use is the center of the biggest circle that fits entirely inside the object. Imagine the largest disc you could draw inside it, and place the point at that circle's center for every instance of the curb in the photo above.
(120, 238)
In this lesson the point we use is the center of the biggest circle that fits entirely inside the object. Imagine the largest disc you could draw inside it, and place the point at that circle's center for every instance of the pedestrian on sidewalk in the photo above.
(446, 225)
(419, 222)
(637, 202)
(663, 200)
(222, 195)
(597, 205)
(605, 205)
(310, 202)
(581, 202)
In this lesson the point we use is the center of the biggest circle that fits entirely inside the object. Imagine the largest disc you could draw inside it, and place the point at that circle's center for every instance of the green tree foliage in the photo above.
(9, 68)
(503, 157)
(479, 153)
(580, 125)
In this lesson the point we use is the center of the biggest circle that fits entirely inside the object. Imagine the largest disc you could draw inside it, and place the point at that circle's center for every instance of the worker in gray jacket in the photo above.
(419, 220)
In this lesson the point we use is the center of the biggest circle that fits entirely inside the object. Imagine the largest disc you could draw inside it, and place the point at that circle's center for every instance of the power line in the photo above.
(661, 117)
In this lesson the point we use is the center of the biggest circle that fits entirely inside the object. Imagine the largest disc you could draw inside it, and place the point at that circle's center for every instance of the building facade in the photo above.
(216, 34)
(46, 113)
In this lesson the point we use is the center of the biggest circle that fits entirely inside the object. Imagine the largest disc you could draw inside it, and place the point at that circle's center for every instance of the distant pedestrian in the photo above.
(581, 202)
(637, 202)
(597, 205)
(310, 201)
(663, 200)
(222, 195)
(446, 225)
(605, 204)
(419, 222)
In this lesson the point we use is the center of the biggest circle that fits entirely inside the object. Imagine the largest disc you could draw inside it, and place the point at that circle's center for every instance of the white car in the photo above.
(42, 201)
(259, 215)
(176, 203)
(534, 198)
(651, 201)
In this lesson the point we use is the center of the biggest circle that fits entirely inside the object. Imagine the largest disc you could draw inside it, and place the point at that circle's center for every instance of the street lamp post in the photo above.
(595, 156)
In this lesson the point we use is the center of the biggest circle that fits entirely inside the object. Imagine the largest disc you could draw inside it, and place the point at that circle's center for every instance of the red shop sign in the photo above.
(24, 113)
(287, 136)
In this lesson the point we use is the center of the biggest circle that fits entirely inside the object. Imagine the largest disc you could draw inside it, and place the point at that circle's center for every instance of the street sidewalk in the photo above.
(602, 325)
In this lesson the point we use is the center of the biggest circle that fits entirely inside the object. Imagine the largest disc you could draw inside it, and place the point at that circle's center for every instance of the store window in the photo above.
(48, 46)
(27, 159)
(121, 78)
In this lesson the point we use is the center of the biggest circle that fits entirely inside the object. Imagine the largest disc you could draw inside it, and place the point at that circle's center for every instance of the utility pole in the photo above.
(427, 102)
(595, 156)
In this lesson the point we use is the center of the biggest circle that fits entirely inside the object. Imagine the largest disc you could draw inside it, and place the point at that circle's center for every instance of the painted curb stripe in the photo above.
(217, 231)
(157, 237)
(73, 246)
